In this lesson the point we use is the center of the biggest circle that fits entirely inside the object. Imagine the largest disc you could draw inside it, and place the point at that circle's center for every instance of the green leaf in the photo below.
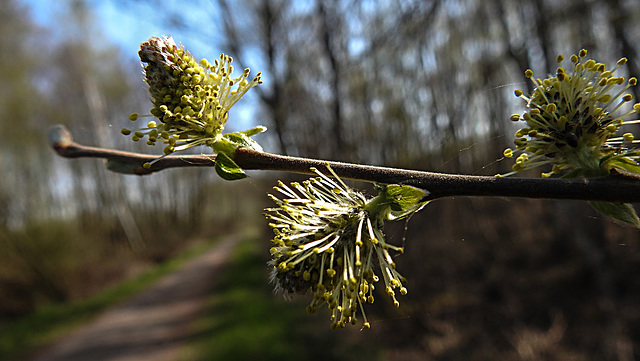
(241, 140)
(626, 164)
(224, 146)
(227, 169)
(229, 142)
(253, 131)
(622, 212)
(621, 161)
(404, 197)
(400, 201)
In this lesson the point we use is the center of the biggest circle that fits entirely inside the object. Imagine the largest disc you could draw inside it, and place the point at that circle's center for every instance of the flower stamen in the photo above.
(571, 121)
(328, 240)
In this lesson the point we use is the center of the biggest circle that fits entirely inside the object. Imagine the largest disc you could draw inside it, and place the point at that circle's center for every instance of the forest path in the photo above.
(152, 325)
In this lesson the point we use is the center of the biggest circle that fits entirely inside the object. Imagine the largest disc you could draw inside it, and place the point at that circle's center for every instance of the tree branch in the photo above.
(123, 162)
(618, 187)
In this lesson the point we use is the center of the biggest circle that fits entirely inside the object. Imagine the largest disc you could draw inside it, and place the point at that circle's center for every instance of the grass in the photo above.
(52, 321)
(246, 321)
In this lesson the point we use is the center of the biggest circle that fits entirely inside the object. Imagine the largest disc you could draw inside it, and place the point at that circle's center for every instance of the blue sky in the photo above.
(127, 23)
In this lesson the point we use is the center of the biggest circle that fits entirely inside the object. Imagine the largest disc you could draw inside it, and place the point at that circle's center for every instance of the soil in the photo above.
(151, 326)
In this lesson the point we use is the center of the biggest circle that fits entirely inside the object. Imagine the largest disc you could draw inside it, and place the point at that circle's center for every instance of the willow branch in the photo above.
(618, 187)
(126, 162)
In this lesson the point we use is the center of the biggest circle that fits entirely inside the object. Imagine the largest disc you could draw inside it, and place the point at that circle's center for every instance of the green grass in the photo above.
(246, 321)
(52, 321)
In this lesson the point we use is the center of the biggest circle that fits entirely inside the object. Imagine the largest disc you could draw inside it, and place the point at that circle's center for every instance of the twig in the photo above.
(124, 162)
(618, 187)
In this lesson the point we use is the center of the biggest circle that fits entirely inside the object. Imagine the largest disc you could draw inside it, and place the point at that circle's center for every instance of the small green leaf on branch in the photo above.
(622, 212)
(227, 169)
(253, 131)
(401, 200)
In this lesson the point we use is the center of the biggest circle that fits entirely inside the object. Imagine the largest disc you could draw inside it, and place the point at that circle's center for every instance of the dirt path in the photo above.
(151, 326)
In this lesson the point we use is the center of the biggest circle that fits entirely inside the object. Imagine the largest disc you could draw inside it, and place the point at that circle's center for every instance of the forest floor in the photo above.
(153, 325)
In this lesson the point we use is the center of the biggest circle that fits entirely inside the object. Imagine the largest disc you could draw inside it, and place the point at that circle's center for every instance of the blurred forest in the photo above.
(421, 84)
